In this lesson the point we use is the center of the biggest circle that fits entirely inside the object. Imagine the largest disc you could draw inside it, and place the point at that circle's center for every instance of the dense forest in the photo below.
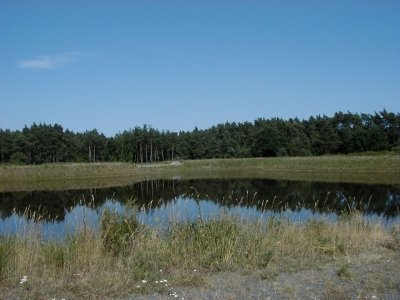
(343, 133)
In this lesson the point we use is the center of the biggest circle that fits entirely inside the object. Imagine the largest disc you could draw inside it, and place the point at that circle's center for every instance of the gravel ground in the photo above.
(373, 276)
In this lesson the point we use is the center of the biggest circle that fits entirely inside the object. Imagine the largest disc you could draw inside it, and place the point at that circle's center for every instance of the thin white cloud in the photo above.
(49, 62)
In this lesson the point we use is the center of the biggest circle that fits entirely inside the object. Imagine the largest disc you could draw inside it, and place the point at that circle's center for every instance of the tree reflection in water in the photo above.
(209, 196)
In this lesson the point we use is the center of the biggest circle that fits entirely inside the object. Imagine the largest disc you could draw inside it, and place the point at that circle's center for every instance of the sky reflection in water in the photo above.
(172, 200)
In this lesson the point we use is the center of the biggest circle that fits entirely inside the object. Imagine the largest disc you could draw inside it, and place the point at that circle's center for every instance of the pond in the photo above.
(162, 201)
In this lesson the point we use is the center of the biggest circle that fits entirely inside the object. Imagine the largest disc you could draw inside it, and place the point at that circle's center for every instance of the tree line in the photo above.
(343, 133)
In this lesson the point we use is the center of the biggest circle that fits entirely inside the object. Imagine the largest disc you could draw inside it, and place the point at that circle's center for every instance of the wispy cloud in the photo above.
(49, 62)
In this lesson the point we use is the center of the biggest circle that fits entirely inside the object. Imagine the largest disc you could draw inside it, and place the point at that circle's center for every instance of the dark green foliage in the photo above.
(5, 145)
(342, 133)
(18, 158)
(269, 140)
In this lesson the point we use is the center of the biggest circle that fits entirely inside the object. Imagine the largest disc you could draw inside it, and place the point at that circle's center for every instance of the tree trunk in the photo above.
(90, 154)
(141, 152)
(151, 151)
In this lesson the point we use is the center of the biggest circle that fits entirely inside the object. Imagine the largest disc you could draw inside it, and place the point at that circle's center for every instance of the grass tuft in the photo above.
(344, 272)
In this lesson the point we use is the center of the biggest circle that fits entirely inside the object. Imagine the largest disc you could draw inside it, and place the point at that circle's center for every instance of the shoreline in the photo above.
(349, 258)
(383, 169)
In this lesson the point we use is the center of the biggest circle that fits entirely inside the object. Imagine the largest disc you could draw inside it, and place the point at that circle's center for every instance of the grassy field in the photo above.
(126, 260)
(383, 169)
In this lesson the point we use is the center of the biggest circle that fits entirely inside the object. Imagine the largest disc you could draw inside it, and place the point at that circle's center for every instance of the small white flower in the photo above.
(160, 270)
(23, 281)
(194, 270)
(156, 281)
(373, 297)
(138, 286)
(166, 284)
(144, 281)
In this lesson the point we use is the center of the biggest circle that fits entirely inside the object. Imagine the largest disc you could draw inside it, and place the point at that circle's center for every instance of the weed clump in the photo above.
(344, 272)
(54, 254)
(214, 242)
(118, 230)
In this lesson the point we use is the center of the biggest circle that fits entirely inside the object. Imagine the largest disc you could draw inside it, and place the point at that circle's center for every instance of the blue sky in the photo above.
(114, 65)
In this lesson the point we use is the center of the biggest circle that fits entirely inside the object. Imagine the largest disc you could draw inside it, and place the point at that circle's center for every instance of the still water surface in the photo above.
(161, 201)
